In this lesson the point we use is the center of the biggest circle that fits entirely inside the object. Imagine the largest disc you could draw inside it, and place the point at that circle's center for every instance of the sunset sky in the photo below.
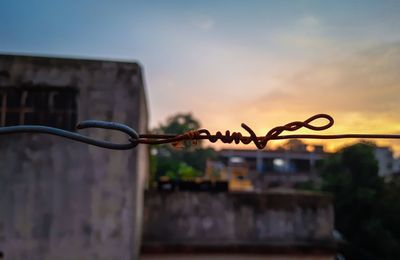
(264, 63)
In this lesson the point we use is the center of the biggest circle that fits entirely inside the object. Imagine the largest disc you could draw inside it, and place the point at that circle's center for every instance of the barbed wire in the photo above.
(194, 135)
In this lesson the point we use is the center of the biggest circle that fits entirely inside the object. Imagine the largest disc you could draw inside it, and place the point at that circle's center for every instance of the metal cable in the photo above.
(133, 136)
(202, 134)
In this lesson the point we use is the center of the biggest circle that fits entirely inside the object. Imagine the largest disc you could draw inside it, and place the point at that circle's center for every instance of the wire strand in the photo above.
(194, 135)
(261, 141)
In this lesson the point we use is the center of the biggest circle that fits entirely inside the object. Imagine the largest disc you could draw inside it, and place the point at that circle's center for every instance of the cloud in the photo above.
(309, 21)
(361, 91)
(305, 32)
(225, 83)
(205, 24)
(366, 82)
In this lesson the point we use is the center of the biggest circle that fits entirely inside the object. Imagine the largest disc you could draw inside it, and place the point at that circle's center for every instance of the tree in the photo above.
(366, 209)
(187, 162)
(178, 124)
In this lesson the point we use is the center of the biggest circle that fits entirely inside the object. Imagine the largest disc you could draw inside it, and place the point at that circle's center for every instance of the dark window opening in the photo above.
(300, 165)
(49, 106)
(4, 74)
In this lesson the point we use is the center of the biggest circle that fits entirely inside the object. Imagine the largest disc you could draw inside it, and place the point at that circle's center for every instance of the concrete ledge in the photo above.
(308, 248)
(268, 222)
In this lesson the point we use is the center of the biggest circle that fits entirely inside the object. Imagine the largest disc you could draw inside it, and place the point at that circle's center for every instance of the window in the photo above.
(49, 106)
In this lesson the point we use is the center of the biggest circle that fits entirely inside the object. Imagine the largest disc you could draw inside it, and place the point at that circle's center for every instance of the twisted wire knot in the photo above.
(274, 133)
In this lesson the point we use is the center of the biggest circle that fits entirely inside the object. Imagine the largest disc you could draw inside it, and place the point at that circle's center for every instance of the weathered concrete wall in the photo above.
(237, 222)
(65, 200)
(236, 257)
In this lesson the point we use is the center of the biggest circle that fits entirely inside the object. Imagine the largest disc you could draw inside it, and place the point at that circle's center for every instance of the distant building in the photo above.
(396, 168)
(294, 163)
(60, 199)
(282, 167)
(276, 161)
(386, 161)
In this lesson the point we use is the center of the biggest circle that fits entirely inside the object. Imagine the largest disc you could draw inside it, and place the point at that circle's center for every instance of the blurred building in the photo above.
(276, 161)
(61, 199)
(386, 161)
(292, 164)
(288, 166)
(243, 222)
(396, 166)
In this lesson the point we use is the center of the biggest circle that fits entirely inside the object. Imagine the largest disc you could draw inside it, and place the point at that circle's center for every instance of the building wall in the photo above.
(65, 200)
(384, 156)
(238, 257)
(263, 161)
(187, 222)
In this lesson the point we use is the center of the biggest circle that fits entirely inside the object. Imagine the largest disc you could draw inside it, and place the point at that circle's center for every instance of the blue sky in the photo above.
(260, 62)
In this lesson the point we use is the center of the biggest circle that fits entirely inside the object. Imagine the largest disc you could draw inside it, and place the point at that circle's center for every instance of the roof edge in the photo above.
(35, 56)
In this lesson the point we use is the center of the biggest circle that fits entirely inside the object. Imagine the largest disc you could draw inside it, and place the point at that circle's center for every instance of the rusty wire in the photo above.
(194, 135)
(261, 141)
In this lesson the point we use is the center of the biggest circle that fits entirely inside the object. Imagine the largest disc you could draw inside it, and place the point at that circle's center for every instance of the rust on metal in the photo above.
(194, 135)
(261, 141)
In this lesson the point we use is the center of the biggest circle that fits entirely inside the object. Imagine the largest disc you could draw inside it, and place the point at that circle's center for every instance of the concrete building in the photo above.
(272, 168)
(396, 167)
(276, 161)
(61, 199)
(386, 161)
